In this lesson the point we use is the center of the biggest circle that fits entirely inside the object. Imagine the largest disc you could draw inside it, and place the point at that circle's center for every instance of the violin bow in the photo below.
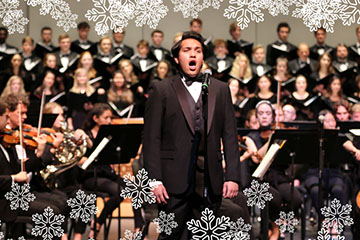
(41, 113)
(278, 105)
(22, 159)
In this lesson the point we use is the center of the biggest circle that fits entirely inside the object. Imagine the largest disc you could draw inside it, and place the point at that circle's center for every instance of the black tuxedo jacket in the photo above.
(316, 50)
(166, 55)
(72, 56)
(169, 135)
(271, 56)
(295, 68)
(128, 51)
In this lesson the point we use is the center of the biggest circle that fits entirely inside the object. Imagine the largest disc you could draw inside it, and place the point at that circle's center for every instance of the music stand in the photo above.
(300, 124)
(125, 139)
(305, 146)
(47, 121)
(345, 126)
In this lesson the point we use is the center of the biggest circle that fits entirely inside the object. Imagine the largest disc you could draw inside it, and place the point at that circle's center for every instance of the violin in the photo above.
(242, 146)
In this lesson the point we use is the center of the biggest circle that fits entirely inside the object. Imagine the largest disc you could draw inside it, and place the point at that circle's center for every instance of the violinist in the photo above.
(280, 188)
(10, 169)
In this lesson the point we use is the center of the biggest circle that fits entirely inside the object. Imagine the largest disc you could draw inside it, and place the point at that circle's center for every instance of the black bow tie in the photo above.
(190, 81)
(65, 55)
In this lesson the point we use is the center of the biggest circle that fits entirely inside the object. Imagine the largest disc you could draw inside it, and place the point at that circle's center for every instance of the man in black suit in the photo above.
(237, 45)
(119, 46)
(157, 52)
(6, 50)
(83, 43)
(302, 64)
(281, 47)
(173, 138)
(44, 46)
(320, 47)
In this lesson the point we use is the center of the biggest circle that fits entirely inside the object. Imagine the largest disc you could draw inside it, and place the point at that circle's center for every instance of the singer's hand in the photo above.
(230, 189)
(161, 194)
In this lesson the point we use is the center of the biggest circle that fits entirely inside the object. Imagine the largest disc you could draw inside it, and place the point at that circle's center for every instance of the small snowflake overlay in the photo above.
(191, 8)
(239, 230)
(82, 206)
(59, 11)
(20, 196)
(165, 222)
(337, 216)
(47, 225)
(324, 235)
(212, 228)
(287, 222)
(139, 188)
(149, 12)
(12, 17)
(129, 235)
(258, 194)
(1, 233)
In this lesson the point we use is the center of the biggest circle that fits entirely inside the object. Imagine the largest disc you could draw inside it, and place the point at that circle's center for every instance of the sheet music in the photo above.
(96, 152)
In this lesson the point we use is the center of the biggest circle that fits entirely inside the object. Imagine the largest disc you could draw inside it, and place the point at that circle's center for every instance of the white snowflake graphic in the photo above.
(324, 235)
(337, 216)
(239, 230)
(188, 7)
(12, 16)
(139, 189)
(47, 225)
(20, 196)
(59, 11)
(129, 235)
(83, 206)
(165, 222)
(214, 3)
(258, 194)
(350, 9)
(287, 222)
(245, 11)
(149, 12)
(275, 7)
(117, 13)
(212, 229)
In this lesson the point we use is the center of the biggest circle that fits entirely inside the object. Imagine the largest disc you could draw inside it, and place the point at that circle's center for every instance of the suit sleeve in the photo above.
(229, 137)
(152, 132)
(5, 183)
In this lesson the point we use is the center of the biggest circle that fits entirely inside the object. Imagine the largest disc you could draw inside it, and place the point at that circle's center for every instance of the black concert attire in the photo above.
(306, 109)
(32, 66)
(79, 46)
(315, 80)
(347, 71)
(143, 68)
(41, 49)
(279, 182)
(67, 64)
(159, 53)
(127, 51)
(297, 67)
(107, 181)
(277, 49)
(260, 69)
(317, 50)
(6, 73)
(234, 46)
(220, 67)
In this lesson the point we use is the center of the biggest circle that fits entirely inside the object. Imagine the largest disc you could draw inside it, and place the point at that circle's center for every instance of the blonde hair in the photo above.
(7, 89)
(133, 77)
(236, 70)
(92, 72)
(256, 47)
(75, 89)
(50, 106)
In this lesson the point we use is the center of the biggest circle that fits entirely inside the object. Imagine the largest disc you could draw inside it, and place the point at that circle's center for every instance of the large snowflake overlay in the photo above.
(239, 230)
(83, 206)
(117, 13)
(337, 216)
(165, 222)
(211, 229)
(59, 11)
(129, 235)
(324, 235)
(48, 224)
(150, 12)
(258, 194)
(20, 196)
(188, 7)
(139, 189)
(287, 222)
(275, 7)
(12, 16)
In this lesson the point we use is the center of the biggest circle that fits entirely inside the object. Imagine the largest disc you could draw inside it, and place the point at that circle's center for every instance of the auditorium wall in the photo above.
(214, 24)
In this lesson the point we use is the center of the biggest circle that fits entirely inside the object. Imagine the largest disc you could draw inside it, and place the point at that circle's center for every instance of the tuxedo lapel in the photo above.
(211, 105)
(180, 89)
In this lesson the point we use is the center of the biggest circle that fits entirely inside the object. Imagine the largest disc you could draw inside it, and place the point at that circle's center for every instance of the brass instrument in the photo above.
(68, 154)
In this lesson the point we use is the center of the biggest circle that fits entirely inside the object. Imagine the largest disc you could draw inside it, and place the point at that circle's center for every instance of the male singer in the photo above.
(174, 133)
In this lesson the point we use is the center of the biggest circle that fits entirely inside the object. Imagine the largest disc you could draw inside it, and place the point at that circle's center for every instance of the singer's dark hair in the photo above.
(187, 35)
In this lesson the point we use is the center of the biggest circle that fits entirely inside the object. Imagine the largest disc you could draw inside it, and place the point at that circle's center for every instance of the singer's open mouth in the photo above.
(192, 65)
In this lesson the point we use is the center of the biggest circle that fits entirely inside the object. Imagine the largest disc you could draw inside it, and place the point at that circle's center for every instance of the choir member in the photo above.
(241, 70)
(306, 105)
(4, 47)
(289, 113)
(258, 66)
(30, 62)
(354, 50)
(196, 26)
(262, 92)
(281, 74)
(177, 37)
(220, 63)
(81, 98)
(83, 43)
(251, 120)
(119, 46)
(162, 71)
(86, 61)
(322, 74)
(355, 112)
(15, 85)
(50, 62)
(44, 46)
(143, 65)
(341, 112)
(280, 47)
(107, 180)
(345, 68)
(65, 58)
(157, 52)
(236, 99)
(320, 47)
(237, 45)
(302, 64)
(334, 93)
